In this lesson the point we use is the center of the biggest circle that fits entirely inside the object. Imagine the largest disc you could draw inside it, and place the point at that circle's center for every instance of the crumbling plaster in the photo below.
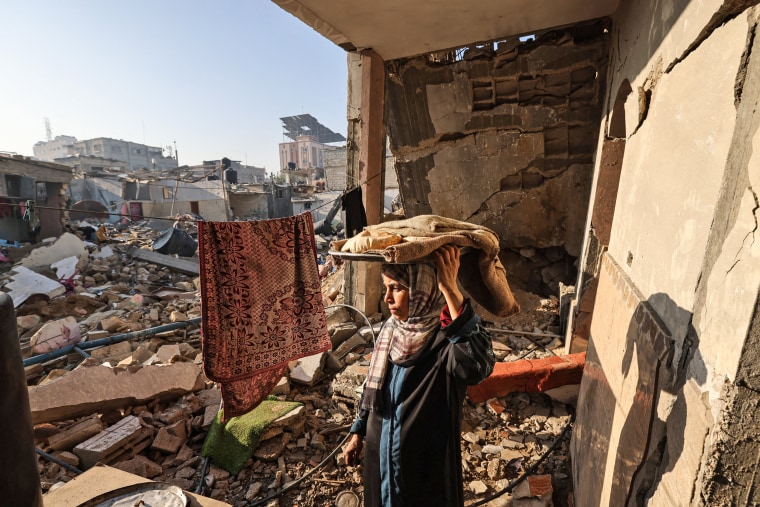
(502, 139)
(684, 226)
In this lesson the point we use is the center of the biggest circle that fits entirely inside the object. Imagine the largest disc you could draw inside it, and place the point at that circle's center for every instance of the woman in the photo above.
(411, 409)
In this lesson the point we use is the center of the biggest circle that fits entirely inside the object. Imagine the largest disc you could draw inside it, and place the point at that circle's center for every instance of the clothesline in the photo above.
(173, 218)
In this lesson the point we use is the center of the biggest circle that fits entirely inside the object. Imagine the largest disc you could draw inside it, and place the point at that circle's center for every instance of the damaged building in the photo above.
(43, 184)
(611, 146)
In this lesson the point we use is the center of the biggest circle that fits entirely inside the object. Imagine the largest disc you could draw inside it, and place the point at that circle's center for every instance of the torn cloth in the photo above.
(481, 272)
(261, 304)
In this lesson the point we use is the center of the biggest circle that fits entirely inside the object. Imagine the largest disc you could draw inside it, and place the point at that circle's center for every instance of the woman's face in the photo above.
(397, 297)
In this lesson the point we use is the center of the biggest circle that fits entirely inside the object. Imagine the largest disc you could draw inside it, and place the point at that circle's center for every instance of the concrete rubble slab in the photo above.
(84, 391)
(341, 332)
(56, 334)
(308, 369)
(65, 246)
(27, 283)
(65, 268)
(186, 265)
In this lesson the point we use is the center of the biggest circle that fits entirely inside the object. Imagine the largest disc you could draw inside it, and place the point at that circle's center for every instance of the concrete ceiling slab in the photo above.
(400, 28)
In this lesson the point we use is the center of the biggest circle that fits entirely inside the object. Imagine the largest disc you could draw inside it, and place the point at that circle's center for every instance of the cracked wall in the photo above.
(503, 136)
(684, 236)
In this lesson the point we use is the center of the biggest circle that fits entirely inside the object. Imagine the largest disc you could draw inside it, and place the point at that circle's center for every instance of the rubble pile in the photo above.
(144, 406)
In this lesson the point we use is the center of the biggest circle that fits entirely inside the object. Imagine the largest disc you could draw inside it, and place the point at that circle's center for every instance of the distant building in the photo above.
(48, 151)
(302, 159)
(24, 180)
(113, 152)
(246, 174)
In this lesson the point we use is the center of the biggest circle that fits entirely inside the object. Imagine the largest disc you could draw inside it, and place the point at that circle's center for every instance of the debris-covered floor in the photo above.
(156, 430)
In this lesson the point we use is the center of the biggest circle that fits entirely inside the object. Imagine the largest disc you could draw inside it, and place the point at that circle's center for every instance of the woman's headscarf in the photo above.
(401, 340)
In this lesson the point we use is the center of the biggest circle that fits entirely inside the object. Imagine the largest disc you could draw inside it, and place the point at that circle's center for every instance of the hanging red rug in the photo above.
(261, 304)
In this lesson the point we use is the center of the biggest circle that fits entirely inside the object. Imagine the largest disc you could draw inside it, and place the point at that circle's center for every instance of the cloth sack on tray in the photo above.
(481, 272)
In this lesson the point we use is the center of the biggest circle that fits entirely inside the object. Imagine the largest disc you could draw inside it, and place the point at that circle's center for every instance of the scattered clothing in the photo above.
(356, 217)
(230, 444)
(261, 304)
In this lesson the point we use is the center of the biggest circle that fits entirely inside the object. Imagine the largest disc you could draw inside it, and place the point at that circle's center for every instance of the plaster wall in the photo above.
(198, 191)
(247, 206)
(208, 209)
(683, 235)
(673, 168)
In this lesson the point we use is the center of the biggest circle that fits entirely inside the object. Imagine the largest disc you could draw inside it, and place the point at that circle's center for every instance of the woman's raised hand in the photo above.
(447, 266)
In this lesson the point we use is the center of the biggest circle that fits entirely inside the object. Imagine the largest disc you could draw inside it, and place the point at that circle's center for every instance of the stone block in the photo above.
(341, 332)
(122, 440)
(168, 353)
(336, 315)
(113, 324)
(170, 438)
(67, 439)
(112, 353)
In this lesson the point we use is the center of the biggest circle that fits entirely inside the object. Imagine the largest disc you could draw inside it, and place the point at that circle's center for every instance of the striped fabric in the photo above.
(401, 340)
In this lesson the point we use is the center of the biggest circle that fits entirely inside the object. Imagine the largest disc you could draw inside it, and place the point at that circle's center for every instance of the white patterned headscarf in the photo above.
(401, 340)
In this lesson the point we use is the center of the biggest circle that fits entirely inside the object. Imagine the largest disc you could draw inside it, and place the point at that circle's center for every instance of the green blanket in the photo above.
(230, 445)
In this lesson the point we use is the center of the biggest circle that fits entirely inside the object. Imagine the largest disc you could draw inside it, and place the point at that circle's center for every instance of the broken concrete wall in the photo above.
(42, 182)
(207, 195)
(502, 137)
(251, 205)
(51, 220)
(682, 235)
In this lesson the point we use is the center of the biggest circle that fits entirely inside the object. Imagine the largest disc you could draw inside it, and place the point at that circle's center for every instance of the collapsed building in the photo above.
(610, 146)
(612, 137)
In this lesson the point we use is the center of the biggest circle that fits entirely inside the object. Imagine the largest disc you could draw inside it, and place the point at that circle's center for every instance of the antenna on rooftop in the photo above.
(48, 130)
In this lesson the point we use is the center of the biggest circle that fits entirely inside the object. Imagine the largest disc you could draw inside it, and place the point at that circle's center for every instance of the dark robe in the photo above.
(412, 447)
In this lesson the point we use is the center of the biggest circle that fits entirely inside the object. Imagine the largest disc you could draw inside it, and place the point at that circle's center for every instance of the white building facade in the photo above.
(135, 155)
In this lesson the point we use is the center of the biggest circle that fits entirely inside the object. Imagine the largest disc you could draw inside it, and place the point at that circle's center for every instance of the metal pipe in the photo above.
(525, 333)
(135, 335)
(55, 460)
(81, 352)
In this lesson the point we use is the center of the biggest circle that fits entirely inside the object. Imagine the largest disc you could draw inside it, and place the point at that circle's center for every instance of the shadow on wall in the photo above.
(647, 447)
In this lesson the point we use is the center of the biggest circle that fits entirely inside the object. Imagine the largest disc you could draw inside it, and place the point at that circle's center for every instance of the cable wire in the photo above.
(530, 469)
(172, 218)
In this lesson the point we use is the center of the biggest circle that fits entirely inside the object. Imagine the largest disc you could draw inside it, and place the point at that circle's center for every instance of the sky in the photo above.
(213, 77)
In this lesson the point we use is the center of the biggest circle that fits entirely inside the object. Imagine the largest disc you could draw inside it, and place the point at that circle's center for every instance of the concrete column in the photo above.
(19, 478)
(365, 166)
(372, 143)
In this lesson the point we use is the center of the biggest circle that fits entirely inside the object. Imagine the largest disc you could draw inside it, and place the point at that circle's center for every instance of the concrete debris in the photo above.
(85, 391)
(121, 441)
(144, 406)
(56, 334)
(27, 283)
(308, 369)
(66, 246)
